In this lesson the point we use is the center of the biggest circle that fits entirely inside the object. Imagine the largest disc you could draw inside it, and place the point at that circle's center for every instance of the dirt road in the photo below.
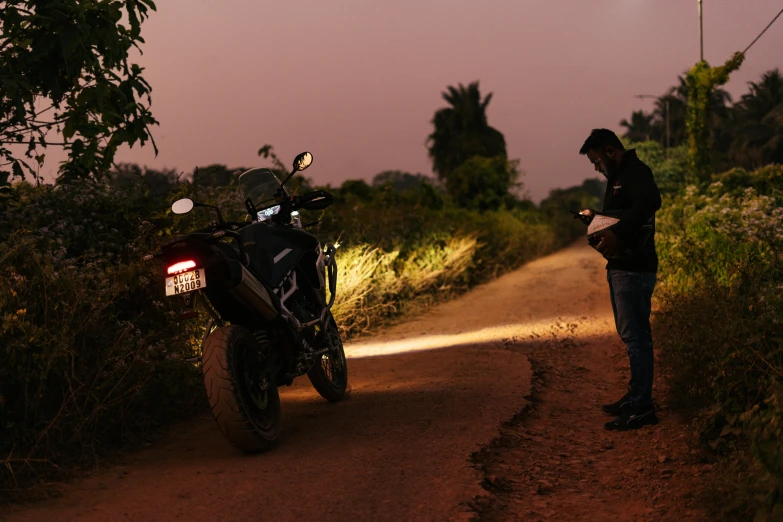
(427, 396)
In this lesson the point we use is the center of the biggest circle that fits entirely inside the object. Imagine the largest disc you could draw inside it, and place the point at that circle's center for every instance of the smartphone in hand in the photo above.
(584, 218)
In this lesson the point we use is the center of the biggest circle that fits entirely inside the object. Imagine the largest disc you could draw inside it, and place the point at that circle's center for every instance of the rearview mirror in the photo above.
(182, 206)
(302, 161)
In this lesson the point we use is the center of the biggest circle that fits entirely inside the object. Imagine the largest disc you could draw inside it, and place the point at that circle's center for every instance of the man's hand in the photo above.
(608, 245)
(586, 215)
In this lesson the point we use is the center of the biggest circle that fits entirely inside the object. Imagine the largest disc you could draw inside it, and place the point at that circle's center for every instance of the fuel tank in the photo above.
(275, 250)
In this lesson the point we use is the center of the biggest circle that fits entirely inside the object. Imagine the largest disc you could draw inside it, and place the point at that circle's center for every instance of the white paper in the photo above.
(601, 222)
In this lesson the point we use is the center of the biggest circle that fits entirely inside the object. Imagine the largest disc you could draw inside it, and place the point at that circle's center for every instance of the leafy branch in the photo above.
(74, 55)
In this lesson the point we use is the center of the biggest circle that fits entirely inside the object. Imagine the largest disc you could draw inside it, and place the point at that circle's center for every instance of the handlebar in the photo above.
(316, 200)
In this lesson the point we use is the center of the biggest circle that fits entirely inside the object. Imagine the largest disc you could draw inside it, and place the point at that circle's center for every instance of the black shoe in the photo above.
(633, 419)
(619, 407)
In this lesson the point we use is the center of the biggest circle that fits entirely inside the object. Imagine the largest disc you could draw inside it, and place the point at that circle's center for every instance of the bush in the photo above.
(92, 359)
(669, 168)
(766, 180)
(482, 183)
(557, 205)
(722, 317)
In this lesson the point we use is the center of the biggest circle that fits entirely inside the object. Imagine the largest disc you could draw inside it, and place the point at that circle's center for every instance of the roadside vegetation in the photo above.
(720, 302)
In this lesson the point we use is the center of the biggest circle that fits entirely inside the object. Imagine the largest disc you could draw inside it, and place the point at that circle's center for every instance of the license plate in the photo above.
(186, 282)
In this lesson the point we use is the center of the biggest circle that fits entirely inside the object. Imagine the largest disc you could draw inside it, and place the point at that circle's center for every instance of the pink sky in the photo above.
(356, 82)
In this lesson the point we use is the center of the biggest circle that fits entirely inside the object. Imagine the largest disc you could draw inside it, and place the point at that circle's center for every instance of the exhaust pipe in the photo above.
(254, 295)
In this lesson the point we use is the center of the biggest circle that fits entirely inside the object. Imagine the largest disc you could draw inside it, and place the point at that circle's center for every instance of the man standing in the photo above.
(629, 247)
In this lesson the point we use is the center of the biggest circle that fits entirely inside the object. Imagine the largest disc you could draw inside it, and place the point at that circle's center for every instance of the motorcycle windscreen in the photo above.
(258, 185)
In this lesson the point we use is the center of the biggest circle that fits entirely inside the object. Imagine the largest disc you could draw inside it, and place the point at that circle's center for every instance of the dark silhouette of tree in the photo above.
(462, 132)
(468, 155)
(357, 187)
(759, 123)
(400, 180)
(133, 180)
(215, 175)
(677, 97)
(640, 128)
(747, 133)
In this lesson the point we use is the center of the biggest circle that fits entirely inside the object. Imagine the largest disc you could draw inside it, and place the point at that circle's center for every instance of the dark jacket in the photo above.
(633, 196)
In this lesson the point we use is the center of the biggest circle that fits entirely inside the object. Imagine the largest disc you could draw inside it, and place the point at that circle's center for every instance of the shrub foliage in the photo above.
(721, 314)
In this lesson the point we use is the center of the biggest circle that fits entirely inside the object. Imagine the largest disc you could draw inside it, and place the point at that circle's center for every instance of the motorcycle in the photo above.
(264, 285)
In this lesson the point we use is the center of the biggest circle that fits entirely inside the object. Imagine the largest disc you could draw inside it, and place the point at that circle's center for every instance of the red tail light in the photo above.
(182, 266)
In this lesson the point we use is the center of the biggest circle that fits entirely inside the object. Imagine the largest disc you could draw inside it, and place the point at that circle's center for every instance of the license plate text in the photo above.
(185, 282)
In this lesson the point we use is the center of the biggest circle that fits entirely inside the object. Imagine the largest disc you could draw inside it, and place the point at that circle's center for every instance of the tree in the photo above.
(216, 175)
(702, 81)
(64, 65)
(397, 186)
(594, 187)
(483, 183)
(556, 205)
(718, 114)
(132, 180)
(358, 188)
(668, 167)
(759, 123)
(675, 102)
(589, 194)
(640, 128)
(462, 132)
(400, 180)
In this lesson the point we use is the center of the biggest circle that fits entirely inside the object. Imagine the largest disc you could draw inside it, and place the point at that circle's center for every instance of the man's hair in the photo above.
(599, 139)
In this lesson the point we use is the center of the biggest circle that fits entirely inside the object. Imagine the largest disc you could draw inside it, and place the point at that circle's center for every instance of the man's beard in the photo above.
(609, 169)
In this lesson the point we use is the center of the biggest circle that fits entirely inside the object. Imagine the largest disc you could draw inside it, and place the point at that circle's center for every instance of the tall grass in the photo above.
(374, 284)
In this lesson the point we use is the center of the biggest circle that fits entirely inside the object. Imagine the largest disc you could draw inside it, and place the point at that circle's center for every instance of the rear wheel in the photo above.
(329, 374)
(244, 399)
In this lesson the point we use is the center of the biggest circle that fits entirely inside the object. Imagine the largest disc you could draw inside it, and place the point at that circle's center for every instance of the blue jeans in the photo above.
(631, 294)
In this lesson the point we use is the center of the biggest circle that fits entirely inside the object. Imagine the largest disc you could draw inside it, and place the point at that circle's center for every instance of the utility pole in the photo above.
(666, 117)
(701, 34)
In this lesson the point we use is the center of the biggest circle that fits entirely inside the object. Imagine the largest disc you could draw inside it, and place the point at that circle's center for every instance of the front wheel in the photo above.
(329, 374)
(244, 400)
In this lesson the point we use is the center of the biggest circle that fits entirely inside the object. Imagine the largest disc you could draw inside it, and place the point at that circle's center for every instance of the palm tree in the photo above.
(678, 104)
(640, 128)
(759, 122)
(461, 130)
(652, 126)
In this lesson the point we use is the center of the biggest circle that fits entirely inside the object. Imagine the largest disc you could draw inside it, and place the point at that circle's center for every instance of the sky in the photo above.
(356, 82)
